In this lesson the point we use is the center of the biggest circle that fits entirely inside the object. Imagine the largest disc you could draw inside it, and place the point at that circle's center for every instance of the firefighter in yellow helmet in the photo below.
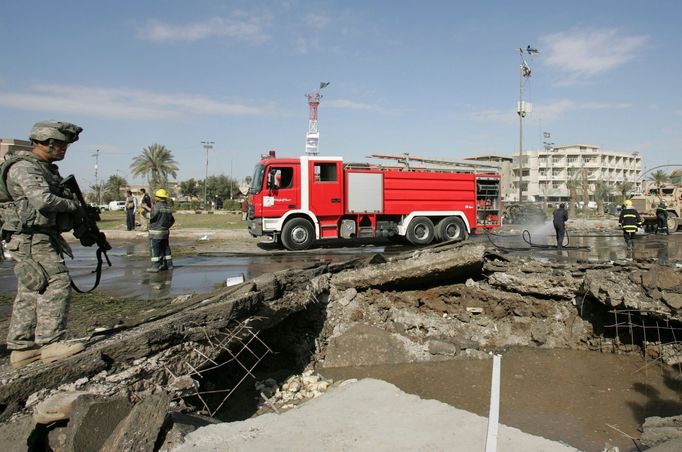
(160, 221)
(629, 220)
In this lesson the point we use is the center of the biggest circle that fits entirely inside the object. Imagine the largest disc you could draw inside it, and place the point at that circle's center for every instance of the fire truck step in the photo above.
(366, 231)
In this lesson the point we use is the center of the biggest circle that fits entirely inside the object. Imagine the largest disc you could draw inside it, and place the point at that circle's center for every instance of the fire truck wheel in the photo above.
(451, 228)
(420, 231)
(297, 234)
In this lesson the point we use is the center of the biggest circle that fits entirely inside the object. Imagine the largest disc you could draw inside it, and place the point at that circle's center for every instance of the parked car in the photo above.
(117, 205)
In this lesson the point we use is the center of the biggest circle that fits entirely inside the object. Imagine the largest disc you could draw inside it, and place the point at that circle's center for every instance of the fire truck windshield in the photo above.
(257, 181)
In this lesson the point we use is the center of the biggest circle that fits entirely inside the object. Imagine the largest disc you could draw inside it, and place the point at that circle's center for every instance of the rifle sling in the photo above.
(97, 271)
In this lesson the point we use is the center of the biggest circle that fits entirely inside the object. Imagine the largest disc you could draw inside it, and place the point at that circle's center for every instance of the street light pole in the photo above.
(97, 186)
(208, 145)
(523, 108)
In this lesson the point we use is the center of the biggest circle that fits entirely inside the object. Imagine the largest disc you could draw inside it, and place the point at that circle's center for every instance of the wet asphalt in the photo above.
(203, 272)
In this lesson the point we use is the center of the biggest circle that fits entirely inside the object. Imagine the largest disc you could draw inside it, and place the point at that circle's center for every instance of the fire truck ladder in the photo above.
(414, 163)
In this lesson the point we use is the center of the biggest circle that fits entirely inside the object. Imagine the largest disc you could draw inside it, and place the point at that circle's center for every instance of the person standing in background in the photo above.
(131, 206)
(145, 207)
(245, 208)
(662, 218)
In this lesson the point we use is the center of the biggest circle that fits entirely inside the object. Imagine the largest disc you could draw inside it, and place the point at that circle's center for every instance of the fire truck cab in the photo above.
(299, 200)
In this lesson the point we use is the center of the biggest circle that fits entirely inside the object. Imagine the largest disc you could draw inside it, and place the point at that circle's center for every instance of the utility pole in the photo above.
(97, 185)
(208, 145)
(523, 108)
(230, 179)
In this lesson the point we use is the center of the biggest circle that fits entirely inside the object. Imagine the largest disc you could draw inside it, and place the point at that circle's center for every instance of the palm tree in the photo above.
(601, 193)
(624, 188)
(156, 163)
(114, 188)
(659, 178)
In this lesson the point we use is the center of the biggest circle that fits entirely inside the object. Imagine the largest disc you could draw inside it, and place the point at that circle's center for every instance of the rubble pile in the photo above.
(295, 390)
(511, 301)
(451, 301)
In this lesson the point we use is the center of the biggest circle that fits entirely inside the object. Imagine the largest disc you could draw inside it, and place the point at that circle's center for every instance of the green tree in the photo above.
(602, 190)
(155, 163)
(189, 187)
(659, 178)
(220, 186)
(114, 189)
(624, 188)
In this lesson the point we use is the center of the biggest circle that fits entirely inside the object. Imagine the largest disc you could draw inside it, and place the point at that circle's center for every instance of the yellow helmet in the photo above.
(161, 193)
(627, 203)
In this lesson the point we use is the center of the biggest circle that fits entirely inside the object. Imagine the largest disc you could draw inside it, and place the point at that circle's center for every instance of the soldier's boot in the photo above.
(59, 350)
(21, 358)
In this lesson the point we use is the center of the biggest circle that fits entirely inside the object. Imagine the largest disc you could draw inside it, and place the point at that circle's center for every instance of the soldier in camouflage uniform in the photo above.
(39, 211)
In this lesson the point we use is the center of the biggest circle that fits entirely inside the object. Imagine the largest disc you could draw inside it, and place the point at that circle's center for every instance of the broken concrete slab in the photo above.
(140, 430)
(92, 421)
(658, 430)
(181, 425)
(367, 415)
(561, 286)
(363, 345)
(17, 436)
(448, 264)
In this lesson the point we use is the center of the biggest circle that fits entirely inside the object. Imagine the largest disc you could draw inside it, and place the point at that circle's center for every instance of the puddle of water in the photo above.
(192, 273)
(601, 248)
(563, 395)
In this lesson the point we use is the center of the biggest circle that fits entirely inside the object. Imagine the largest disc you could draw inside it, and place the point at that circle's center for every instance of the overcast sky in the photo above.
(432, 78)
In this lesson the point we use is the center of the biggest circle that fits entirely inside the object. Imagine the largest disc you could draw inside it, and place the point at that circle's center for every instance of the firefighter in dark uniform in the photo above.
(629, 221)
(560, 218)
(160, 221)
(662, 218)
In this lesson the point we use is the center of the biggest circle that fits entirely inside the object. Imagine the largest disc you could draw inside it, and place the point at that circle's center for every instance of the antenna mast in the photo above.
(312, 142)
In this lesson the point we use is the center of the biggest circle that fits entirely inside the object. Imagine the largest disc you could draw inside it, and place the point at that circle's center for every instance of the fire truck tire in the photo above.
(451, 228)
(420, 231)
(297, 234)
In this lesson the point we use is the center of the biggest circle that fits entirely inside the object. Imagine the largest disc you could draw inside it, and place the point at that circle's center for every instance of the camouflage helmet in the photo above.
(55, 130)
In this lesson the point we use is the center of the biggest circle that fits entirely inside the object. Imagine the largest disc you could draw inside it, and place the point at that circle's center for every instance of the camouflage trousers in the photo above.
(39, 318)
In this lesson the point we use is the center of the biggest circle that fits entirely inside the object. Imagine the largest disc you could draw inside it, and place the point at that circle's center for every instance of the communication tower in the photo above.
(312, 142)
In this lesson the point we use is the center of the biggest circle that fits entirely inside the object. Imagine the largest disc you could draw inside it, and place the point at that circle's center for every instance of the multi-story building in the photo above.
(11, 145)
(545, 173)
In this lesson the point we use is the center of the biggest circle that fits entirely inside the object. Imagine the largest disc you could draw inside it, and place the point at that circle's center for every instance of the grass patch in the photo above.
(116, 220)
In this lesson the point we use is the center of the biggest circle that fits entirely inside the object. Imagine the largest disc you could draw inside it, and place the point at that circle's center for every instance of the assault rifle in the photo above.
(85, 229)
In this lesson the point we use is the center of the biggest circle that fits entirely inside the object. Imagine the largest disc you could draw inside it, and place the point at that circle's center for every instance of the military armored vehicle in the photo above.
(670, 194)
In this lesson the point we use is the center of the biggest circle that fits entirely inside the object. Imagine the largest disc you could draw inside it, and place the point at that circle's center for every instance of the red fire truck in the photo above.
(299, 200)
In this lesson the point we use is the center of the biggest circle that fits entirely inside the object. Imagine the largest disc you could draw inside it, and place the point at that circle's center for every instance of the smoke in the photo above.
(541, 234)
